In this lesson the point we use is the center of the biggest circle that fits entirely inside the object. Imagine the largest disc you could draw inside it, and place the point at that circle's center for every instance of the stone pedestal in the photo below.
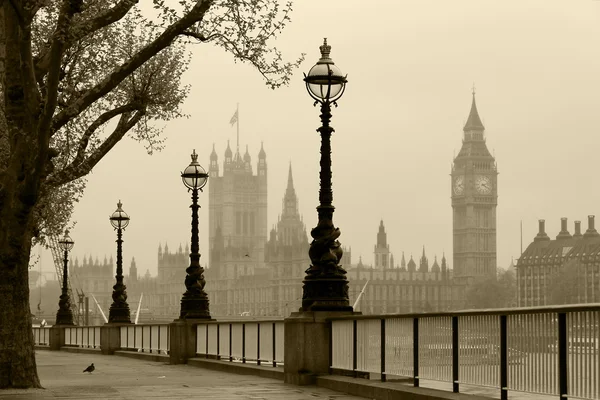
(57, 337)
(307, 343)
(110, 338)
(182, 334)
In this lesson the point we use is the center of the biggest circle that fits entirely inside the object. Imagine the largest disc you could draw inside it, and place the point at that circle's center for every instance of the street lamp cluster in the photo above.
(325, 287)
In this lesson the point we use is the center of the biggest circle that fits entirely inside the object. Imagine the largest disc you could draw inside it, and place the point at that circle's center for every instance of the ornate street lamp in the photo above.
(325, 284)
(194, 303)
(64, 316)
(119, 309)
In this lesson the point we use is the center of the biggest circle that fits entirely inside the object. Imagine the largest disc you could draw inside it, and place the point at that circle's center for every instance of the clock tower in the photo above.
(474, 193)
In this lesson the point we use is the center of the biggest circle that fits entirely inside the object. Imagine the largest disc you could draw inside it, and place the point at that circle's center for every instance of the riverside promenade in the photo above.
(122, 378)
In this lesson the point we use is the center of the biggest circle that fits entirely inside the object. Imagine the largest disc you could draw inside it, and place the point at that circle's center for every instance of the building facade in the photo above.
(474, 193)
(565, 270)
(237, 224)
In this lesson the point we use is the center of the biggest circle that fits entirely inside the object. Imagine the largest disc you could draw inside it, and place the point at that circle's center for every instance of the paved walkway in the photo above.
(128, 379)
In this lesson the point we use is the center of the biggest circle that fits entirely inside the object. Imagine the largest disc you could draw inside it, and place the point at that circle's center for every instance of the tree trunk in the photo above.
(19, 192)
(17, 357)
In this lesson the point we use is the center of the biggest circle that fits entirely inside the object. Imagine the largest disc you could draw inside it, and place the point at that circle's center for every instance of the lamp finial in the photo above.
(195, 156)
(325, 49)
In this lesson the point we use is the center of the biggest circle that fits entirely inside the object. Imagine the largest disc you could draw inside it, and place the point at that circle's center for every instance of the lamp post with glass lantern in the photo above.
(194, 303)
(325, 284)
(119, 309)
(64, 316)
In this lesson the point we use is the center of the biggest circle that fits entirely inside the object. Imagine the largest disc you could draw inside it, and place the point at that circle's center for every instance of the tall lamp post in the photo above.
(325, 284)
(119, 309)
(64, 316)
(194, 303)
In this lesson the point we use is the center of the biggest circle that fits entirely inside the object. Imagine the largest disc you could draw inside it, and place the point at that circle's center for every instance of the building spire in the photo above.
(473, 122)
(290, 184)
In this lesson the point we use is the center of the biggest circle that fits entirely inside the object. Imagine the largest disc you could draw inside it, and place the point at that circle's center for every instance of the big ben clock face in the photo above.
(459, 185)
(483, 184)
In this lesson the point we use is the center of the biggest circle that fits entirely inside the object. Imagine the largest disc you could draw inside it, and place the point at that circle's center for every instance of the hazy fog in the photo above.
(410, 66)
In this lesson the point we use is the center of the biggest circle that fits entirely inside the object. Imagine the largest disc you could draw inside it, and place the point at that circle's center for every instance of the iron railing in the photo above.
(550, 350)
(150, 338)
(41, 336)
(83, 336)
(257, 342)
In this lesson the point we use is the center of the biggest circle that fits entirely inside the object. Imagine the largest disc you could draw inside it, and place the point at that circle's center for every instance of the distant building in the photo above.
(474, 193)
(237, 224)
(565, 270)
(402, 288)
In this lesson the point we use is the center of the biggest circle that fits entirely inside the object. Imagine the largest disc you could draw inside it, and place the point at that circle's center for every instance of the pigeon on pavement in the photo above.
(90, 368)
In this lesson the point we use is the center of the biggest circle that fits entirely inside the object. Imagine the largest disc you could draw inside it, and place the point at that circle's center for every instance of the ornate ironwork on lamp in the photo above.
(119, 309)
(194, 303)
(64, 316)
(325, 284)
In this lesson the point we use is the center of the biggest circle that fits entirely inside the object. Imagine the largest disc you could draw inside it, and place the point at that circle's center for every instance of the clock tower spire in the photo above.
(474, 194)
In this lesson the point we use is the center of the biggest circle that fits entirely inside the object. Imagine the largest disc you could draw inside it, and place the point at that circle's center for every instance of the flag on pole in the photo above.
(234, 119)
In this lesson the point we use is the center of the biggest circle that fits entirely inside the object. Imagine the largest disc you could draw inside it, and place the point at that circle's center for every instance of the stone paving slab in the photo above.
(121, 378)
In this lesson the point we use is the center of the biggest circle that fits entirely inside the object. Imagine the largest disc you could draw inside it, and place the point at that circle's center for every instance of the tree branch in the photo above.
(119, 74)
(75, 171)
(102, 119)
(59, 38)
(83, 29)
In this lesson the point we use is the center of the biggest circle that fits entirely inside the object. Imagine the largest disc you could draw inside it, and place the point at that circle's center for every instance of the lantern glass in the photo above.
(66, 243)
(194, 176)
(324, 77)
(119, 219)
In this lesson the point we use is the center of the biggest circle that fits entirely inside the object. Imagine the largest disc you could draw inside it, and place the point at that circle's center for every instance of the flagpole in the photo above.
(237, 124)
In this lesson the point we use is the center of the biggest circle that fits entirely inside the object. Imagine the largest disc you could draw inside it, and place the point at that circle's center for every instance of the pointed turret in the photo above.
(403, 262)
(435, 267)
(473, 122)
(381, 236)
(228, 153)
(213, 154)
(247, 158)
(444, 267)
(261, 154)
(133, 270)
(412, 266)
(290, 200)
(424, 262)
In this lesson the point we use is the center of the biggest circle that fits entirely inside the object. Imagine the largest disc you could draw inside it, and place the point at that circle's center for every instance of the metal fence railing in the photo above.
(551, 350)
(83, 336)
(151, 338)
(257, 342)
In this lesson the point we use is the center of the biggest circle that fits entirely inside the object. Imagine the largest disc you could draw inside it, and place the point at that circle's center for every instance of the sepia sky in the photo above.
(411, 65)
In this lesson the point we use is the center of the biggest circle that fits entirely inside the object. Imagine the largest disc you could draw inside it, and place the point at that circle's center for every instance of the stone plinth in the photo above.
(307, 343)
(110, 337)
(57, 336)
(182, 334)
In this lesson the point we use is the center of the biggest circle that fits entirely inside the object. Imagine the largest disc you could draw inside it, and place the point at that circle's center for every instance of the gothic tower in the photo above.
(474, 195)
(381, 250)
(237, 212)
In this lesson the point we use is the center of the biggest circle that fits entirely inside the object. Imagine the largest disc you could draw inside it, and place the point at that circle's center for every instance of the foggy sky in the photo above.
(411, 66)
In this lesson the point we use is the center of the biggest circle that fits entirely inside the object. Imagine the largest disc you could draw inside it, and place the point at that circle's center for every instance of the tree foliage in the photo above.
(494, 292)
(76, 76)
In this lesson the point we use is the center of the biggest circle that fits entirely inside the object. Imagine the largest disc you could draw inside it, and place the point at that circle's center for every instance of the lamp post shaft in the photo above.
(325, 208)
(194, 303)
(325, 285)
(119, 309)
(64, 316)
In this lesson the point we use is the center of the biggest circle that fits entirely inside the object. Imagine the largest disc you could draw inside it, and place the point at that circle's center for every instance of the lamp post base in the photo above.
(325, 294)
(119, 314)
(194, 307)
(64, 318)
